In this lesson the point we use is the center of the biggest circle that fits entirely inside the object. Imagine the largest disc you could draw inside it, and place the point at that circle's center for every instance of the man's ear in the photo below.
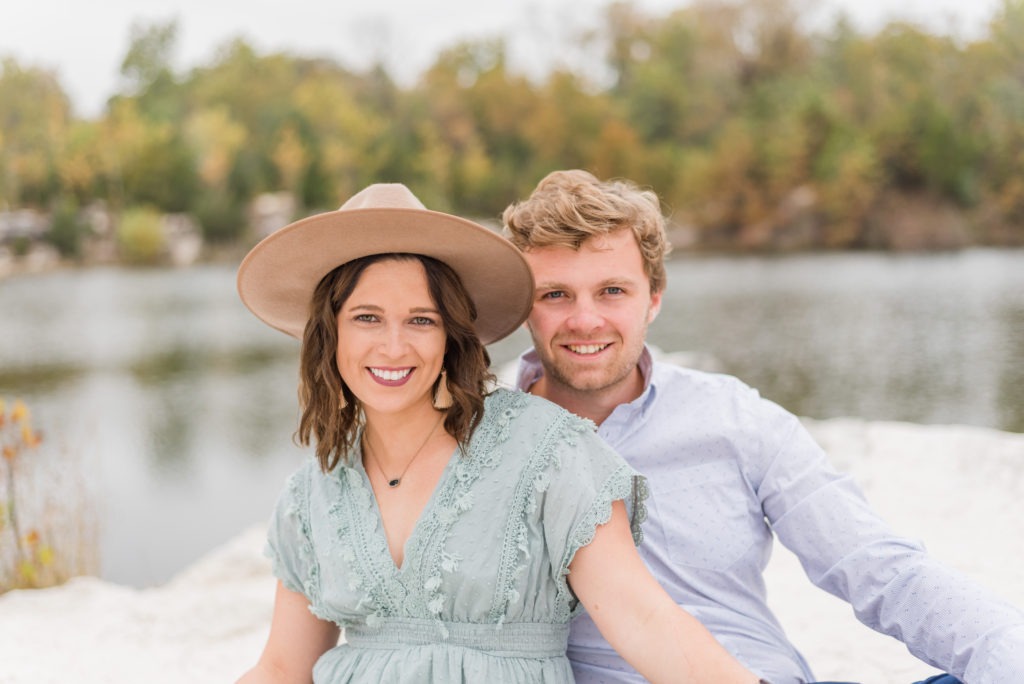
(655, 306)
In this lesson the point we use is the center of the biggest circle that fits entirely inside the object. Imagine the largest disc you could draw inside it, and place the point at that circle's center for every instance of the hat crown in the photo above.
(278, 277)
(383, 196)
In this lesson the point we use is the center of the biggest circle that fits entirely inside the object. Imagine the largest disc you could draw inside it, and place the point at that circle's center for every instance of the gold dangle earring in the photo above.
(442, 395)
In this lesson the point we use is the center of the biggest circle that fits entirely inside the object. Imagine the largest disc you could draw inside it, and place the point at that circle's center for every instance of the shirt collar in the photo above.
(530, 371)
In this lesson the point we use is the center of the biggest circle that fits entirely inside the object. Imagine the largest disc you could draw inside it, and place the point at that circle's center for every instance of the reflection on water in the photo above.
(184, 404)
(932, 339)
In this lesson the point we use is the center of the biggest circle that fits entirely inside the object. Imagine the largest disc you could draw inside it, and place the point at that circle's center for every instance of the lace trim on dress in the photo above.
(641, 491)
(455, 498)
(623, 484)
(360, 544)
(362, 548)
(298, 487)
(535, 480)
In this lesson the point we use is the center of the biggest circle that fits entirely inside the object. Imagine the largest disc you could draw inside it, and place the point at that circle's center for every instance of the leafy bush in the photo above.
(221, 218)
(140, 236)
(67, 229)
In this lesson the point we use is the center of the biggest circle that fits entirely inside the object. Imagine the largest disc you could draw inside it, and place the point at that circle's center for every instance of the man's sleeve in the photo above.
(893, 585)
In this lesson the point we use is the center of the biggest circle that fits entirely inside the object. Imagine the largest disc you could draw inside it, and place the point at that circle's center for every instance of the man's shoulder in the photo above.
(671, 378)
(690, 397)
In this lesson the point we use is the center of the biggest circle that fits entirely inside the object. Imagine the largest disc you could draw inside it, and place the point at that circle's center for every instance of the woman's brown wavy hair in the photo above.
(334, 429)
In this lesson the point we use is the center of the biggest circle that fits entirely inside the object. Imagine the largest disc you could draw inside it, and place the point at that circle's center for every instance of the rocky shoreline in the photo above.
(954, 487)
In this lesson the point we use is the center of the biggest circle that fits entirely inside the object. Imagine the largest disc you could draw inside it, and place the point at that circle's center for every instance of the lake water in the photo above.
(181, 405)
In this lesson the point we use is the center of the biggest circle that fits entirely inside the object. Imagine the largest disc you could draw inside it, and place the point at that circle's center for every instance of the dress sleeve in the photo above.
(582, 479)
(289, 544)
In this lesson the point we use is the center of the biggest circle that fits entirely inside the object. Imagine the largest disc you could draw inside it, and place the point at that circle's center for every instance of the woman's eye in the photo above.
(422, 320)
(366, 318)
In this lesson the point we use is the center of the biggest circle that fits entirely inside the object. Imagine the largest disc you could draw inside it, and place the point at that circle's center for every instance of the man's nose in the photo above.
(585, 316)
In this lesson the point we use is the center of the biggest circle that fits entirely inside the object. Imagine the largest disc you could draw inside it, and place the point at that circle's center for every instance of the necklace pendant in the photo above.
(394, 483)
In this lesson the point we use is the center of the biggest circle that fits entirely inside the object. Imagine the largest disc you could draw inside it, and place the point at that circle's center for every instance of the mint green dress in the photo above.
(481, 595)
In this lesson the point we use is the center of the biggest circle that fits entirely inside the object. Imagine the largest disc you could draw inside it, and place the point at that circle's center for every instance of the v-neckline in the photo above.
(395, 568)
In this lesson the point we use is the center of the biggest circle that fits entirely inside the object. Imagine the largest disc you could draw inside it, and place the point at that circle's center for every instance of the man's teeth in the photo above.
(586, 348)
(390, 374)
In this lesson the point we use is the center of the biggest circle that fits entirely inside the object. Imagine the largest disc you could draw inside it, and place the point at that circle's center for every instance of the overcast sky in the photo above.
(85, 41)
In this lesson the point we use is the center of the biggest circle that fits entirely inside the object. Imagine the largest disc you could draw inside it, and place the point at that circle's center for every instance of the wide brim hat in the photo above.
(276, 280)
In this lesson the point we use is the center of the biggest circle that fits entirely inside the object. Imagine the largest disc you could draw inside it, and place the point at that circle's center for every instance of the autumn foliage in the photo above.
(45, 537)
(758, 131)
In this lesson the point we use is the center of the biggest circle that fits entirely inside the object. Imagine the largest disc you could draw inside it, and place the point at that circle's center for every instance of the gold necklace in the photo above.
(395, 481)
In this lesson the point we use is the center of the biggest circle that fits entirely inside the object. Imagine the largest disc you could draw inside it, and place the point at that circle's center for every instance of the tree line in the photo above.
(757, 132)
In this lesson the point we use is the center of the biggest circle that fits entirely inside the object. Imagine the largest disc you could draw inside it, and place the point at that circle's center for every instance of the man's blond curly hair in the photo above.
(567, 208)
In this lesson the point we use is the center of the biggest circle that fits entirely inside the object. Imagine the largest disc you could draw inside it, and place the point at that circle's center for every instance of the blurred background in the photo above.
(844, 183)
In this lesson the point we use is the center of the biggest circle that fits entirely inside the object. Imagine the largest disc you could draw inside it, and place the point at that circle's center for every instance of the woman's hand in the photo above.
(639, 619)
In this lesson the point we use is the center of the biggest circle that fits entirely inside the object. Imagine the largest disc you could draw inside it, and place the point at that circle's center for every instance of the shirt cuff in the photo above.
(1004, 662)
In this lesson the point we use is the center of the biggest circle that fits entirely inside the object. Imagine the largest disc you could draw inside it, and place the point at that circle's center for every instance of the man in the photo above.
(726, 468)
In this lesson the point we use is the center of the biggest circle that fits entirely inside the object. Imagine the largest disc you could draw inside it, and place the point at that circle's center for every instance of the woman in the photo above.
(451, 531)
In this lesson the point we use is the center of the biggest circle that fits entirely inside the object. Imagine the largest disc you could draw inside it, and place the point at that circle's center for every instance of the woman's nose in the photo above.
(393, 342)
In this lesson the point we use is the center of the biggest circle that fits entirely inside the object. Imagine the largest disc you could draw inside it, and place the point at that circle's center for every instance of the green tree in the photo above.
(1001, 90)
(34, 117)
(147, 69)
(217, 139)
(256, 92)
(67, 230)
(162, 173)
(140, 235)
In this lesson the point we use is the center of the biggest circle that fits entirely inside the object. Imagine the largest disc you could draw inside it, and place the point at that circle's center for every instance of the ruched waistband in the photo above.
(516, 639)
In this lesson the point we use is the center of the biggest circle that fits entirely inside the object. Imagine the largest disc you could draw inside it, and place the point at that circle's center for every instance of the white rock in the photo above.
(957, 488)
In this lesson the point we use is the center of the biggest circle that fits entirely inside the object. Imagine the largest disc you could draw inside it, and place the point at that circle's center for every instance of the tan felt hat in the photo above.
(277, 278)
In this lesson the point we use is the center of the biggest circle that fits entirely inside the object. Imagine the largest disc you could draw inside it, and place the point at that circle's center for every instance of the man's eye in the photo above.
(553, 295)
(614, 290)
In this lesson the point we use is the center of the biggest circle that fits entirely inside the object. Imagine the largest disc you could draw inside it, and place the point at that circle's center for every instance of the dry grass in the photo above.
(48, 526)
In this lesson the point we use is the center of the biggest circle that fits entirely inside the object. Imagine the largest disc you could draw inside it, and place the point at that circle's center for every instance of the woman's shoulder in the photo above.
(504, 399)
(531, 413)
(309, 475)
(297, 482)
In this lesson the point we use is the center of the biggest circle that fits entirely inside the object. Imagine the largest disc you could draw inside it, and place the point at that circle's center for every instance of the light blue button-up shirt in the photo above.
(728, 468)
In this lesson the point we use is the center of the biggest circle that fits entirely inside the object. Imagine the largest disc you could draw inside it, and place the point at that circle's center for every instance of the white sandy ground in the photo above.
(957, 488)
